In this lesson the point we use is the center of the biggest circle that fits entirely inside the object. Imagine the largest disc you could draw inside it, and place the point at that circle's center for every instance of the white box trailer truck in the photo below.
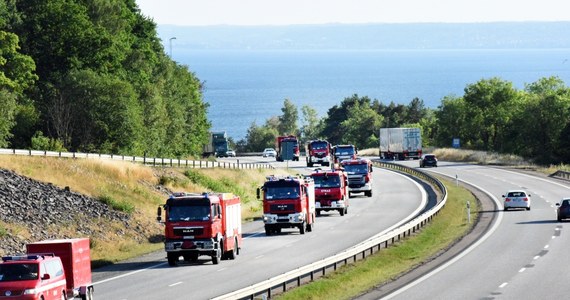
(400, 143)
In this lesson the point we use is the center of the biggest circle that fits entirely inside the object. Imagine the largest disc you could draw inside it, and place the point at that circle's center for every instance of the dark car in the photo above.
(428, 160)
(563, 209)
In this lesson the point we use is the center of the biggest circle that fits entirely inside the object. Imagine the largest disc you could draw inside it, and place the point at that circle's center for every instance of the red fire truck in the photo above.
(51, 269)
(318, 152)
(287, 148)
(359, 176)
(288, 202)
(201, 224)
(331, 190)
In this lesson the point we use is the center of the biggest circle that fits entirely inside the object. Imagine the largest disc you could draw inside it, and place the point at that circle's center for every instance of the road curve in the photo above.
(525, 256)
(396, 198)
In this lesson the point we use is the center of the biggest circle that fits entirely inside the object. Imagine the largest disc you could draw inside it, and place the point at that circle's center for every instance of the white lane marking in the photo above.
(546, 247)
(536, 257)
(221, 269)
(129, 274)
(255, 234)
(557, 228)
(503, 285)
(177, 283)
(260, 256)
(522, 270)
(462, 254)
(536, 178)
(553, 237)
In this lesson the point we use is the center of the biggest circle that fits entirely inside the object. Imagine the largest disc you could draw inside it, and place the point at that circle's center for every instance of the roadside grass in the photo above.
(131, 188)
(355, 279)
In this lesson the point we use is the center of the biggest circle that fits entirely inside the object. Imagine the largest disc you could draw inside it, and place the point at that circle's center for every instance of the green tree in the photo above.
(545, 114)
(309, 123)
(288, 120)
(260, 137)
(451, 118)
(338, 114)
(361, 127)
(489, 106)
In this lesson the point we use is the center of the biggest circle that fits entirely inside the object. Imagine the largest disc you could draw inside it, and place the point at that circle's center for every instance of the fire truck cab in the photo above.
(288, 202)
(331, 190)
(201, 224)
(359, 176)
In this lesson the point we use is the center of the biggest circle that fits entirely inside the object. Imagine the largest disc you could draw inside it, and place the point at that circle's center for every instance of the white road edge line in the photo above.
(177, 283)
(462, 254)
(503, 285)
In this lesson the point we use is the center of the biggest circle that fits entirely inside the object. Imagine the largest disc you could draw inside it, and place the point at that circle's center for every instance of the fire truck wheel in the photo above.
(341, 211)
(88, 294)
(302, 228)
(318, 213)
(368, 194)
(172, 259)
(233, 253)
(217, 257)
(268, 231)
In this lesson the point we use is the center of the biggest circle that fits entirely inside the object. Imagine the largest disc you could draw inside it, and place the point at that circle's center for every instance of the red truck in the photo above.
(201, 224)
(331, 191)
(51, 269)
(287, 148)
(359, 176)
(288, 202)
(318, 152)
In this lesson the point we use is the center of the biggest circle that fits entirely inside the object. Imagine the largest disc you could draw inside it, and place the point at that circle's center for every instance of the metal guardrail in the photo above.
(151, 161)
(561, 174)
(304, 274)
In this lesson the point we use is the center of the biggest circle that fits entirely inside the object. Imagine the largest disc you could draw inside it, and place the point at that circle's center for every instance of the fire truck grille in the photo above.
(282, 207)
(188, 231)
(356, 182)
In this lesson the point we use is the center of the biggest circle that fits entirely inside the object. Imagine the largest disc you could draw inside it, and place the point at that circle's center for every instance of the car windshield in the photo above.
(323, 181)
(282, 192)
(429, 157)
(516, 194)
(565, 203)
(188, 213)
(16, 272)
(356, 169)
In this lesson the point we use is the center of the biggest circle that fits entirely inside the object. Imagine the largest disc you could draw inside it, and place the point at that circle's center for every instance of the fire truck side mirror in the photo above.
(258, 193)
(159, 214)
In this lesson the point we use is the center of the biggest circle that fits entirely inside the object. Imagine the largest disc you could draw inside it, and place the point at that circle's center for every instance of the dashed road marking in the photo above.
(503, 285)
(177, 283)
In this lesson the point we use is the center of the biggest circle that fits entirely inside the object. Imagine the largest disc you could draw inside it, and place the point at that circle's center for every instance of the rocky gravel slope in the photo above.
(32, 211)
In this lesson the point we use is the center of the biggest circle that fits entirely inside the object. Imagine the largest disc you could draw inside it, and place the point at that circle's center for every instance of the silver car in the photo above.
(516, 199)
(269, 152)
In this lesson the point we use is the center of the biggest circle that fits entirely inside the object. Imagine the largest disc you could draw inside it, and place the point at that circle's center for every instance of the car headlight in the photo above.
(29, 292)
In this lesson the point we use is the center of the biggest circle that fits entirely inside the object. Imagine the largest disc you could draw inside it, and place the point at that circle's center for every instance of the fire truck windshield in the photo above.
(282, 192)
(15, 272)
(326, 181)
(188, 213)
(356, 169)
(319, 145)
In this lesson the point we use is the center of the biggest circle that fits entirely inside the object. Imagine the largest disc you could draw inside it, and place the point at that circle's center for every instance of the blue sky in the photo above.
(273, 12)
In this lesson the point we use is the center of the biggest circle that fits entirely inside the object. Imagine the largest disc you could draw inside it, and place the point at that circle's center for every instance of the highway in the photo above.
(396, 199)
(523, 256)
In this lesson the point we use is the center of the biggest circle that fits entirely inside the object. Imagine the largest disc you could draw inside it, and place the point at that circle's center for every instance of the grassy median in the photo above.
(353, 280)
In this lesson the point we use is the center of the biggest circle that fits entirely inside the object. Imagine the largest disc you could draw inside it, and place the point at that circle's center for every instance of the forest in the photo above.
(92, 76)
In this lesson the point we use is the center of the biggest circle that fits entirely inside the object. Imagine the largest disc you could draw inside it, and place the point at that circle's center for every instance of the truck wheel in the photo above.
(217, 256)
(88, 294)
(318, 213)
(310, 165)
(368, 193)
(268, 231)
(302, 228)
(172, 259)
(350, 195)
(341, 211)
(233, 253)
(345, 210)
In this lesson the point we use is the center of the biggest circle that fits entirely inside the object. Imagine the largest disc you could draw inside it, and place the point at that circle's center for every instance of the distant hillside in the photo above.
(505, 35)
